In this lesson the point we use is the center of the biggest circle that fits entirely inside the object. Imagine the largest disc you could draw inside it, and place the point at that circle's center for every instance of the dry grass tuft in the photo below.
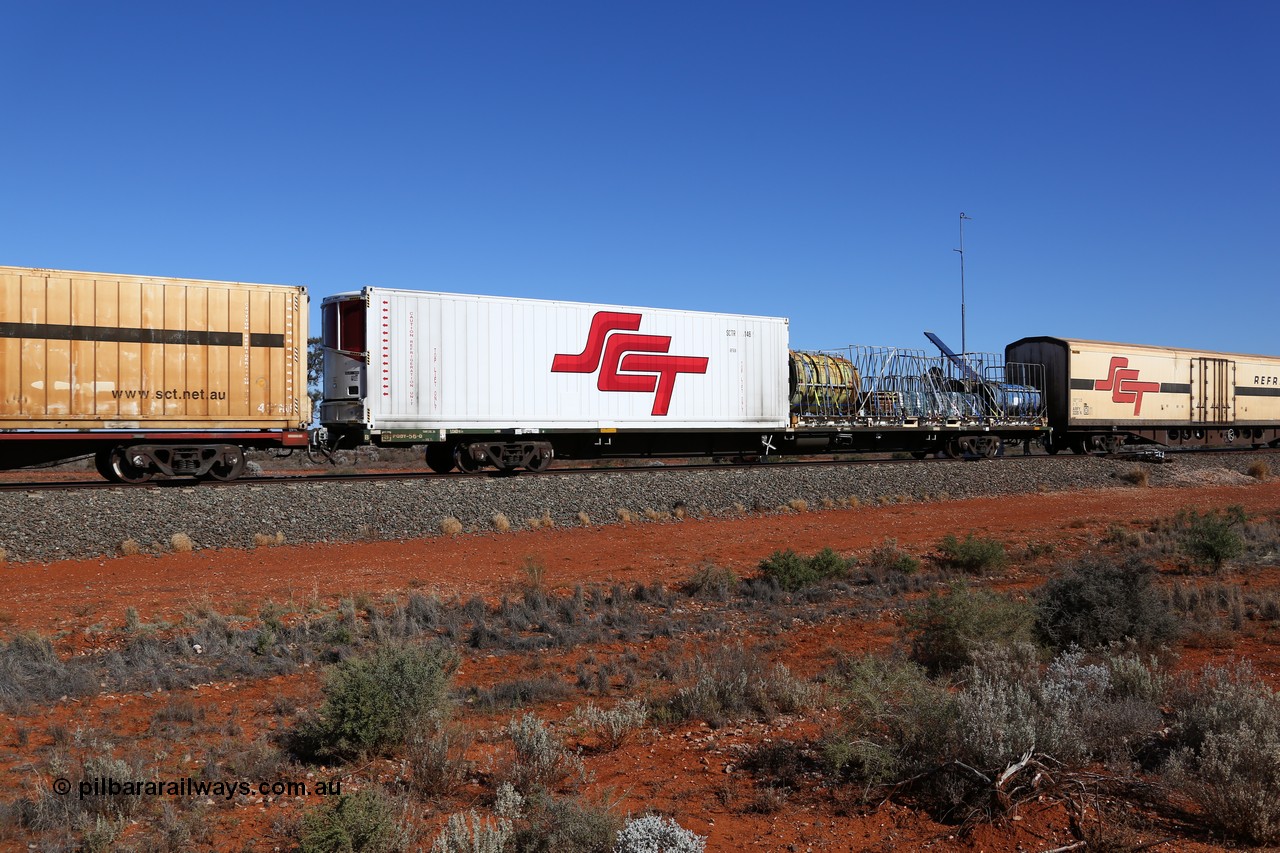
(679, 512)
(181, 543)
(3, 555)
(828, 503)
(501, 523)
(853, 501)
(654, 515)
(740, 508)
(624, 515)
(1260, 470)
(583, 518)
(1137, 476)
(130, 548)
(267, 540)
(544, 521)
(798, 505)
(450, 526)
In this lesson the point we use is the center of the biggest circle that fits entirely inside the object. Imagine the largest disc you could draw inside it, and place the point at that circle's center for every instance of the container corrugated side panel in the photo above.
(98, 351)
(444, 361)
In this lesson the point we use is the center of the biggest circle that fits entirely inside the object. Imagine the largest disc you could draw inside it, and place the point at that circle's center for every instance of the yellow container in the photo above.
(96, 351)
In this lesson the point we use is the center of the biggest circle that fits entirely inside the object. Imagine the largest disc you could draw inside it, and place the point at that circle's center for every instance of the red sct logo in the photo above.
(632, 362)
(1122, 382)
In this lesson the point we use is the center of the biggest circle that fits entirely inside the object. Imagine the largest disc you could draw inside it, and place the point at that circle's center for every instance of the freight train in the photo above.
(177, 377)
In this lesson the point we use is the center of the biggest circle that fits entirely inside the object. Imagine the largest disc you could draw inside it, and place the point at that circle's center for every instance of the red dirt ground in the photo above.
(679, 770)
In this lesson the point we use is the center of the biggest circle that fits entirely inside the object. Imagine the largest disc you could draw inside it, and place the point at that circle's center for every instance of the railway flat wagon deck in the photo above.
(151, 375)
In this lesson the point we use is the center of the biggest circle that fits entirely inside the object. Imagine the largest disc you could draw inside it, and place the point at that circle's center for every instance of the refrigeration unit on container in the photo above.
(506, 382)
(153, 375)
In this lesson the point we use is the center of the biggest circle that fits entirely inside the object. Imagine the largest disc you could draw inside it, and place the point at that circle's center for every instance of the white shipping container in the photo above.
(439, 361)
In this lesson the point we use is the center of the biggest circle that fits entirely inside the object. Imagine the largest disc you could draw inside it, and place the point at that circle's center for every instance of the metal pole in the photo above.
(964, 345)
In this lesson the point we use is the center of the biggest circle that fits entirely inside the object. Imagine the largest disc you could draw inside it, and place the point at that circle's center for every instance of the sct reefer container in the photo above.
(449, 369)
(1165, 394)
(91, 355)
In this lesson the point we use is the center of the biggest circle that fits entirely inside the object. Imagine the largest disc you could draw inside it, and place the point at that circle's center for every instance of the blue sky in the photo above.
(1120, 161)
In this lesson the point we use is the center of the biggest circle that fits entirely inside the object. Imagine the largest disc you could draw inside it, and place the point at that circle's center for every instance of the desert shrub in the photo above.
(972, 555)
(712, 581)
(450, 526)
(788, 569)
(1259, 470)
(888, 559)
(613, 725)
(1228, 725)
(1211, 538)
(946, 630)
(734, 683)
(947, 748)
(372, 701)
(892, 716)
(482, 835)
(368, 821)
(1096, 602)
(436, 753)
(792, 571)
(565, 825)
(521, 692)
(539, 760)
(656, 834)
(30, 671)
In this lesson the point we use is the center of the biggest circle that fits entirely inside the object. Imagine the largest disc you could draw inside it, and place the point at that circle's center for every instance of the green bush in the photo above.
(1213, 538)
(791, 571)
(972, 555)
(945, 631)
(368, 821)
(1096, 602)
(373, 701)
(893, 716)
(1228, 725)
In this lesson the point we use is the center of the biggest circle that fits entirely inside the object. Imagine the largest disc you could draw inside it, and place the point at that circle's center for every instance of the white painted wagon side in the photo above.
(440, 361)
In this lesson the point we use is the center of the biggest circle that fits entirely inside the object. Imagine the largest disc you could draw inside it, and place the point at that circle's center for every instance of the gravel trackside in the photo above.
(54, 525)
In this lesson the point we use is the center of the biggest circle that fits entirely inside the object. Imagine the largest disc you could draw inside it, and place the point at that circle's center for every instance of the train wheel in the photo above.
(466, 463)
(540, 461)
(1080, 446)
(988, 446)
(102, 462)
(919, 454)
(228, 468)
(124, 471)
(439, 458)
(952, 449)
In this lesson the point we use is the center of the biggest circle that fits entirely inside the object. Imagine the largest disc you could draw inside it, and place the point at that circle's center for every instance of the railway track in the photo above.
(275, 479)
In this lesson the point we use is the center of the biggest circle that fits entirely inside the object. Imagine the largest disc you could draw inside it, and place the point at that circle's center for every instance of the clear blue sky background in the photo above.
(1120, 161)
